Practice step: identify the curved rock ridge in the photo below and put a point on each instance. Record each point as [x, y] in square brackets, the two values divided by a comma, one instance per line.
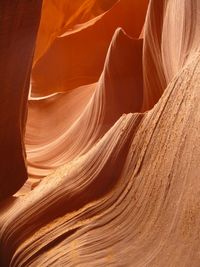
[171, 37]
[118, 91]
[113, 162]
[77, 59]
[126, 182]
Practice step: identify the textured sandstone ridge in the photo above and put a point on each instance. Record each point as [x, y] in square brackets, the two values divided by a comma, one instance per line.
[113, 145]
[105, 106]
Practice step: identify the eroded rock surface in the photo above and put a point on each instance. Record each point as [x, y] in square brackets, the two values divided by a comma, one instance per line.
[112, 156]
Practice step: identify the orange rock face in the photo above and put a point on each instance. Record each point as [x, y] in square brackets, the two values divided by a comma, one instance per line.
[112, 133]
[77, 55]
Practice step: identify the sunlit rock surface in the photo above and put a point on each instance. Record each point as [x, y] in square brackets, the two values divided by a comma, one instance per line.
[112, 135]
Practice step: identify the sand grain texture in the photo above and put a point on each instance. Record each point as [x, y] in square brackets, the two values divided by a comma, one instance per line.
[113, 160]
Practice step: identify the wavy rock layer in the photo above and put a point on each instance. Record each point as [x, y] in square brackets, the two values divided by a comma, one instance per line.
[105, 106]
[164, 58]
[120, 171]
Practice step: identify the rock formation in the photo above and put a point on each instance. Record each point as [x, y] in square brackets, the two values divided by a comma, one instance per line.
[19, 24]
[112, 136]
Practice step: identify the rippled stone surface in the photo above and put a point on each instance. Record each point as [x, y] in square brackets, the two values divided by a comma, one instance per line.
[112, 136]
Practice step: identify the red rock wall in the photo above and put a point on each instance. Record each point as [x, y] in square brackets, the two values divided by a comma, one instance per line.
[19, 22]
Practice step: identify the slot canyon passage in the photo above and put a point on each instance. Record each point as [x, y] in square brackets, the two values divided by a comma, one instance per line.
[100, 133]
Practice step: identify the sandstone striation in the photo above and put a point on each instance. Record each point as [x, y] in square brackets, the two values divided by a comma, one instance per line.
[112, 134]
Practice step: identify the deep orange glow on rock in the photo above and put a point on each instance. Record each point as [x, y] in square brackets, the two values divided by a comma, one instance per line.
[100, 133]
[77, 58]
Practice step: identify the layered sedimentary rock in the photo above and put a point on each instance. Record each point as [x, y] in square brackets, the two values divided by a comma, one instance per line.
[74, 136]
[119, 171]
[171, 39]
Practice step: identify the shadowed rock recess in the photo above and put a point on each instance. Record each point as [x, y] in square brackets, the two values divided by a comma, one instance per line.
[100, 133]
